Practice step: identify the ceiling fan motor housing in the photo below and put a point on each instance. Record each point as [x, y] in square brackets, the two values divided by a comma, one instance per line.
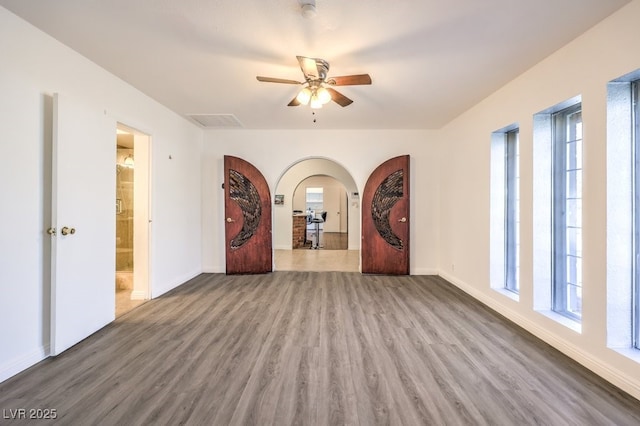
[323, 68]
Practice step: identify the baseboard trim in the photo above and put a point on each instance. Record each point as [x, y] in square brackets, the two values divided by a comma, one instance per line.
[604, 370]
[425, 271]
[138, 295]
[16, 365]
[157, 292]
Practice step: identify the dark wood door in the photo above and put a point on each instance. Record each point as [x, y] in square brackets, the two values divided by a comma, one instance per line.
[247, 205]
[385, 219]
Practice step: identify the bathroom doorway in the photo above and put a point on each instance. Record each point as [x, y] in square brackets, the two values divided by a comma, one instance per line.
[132, 219]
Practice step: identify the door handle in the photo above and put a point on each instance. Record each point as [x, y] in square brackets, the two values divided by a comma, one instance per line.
[66, 230]
[51, 231]
[403, 219]
[230, 220]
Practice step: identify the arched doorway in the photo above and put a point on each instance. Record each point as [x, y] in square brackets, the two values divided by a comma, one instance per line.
[285, 257]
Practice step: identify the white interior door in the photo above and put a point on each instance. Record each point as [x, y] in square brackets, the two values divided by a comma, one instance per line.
[344, 212]
[83, 208]
[332, 199]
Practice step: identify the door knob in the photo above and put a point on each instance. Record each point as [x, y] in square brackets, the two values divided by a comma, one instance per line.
[403, 220]
[51, 231]
[66, 230]
[230, 220]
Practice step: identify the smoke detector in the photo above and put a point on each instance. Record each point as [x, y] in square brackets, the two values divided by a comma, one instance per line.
[308, 8]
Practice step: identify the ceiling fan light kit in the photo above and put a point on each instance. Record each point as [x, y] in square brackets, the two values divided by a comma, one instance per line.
[304, 96]
[318, 89]
[314, 97]
[323, 95]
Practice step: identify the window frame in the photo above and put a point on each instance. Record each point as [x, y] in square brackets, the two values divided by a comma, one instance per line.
[562, 137]
[635, 267]
[511, 211]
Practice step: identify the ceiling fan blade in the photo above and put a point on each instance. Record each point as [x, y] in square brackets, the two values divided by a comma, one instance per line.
[339, 98]
[294, 102]
[277, 80]
[350, 80]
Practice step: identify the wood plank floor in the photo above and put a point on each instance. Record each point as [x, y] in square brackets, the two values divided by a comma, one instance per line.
[316, 348]
[328, 240]
[335, 240]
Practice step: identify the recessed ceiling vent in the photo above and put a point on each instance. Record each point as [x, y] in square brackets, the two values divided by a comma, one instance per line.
[216, 121]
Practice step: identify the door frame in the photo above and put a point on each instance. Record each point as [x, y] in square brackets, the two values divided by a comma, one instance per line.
[142, 154]
[288, 181]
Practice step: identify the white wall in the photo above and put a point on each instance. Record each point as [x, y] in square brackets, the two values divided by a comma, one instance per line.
[359, 151]
[34, 66]
[584, 67]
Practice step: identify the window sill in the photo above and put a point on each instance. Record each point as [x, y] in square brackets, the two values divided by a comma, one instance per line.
[561, 319]
[631, 353]
[510, 294]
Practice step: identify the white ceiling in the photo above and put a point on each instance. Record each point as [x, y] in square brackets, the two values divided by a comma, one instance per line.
[429, 60]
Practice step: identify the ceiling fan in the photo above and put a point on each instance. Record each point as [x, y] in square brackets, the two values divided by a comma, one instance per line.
[318, 89]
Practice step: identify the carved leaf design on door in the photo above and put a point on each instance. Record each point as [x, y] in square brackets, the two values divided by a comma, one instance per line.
[245, 194]
[385, 197]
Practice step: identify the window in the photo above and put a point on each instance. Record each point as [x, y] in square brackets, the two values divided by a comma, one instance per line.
[635, 267]
[505, 211]
[567, 212]
[557, 213]
[512, 212]
[314, 199]
[623, 214]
